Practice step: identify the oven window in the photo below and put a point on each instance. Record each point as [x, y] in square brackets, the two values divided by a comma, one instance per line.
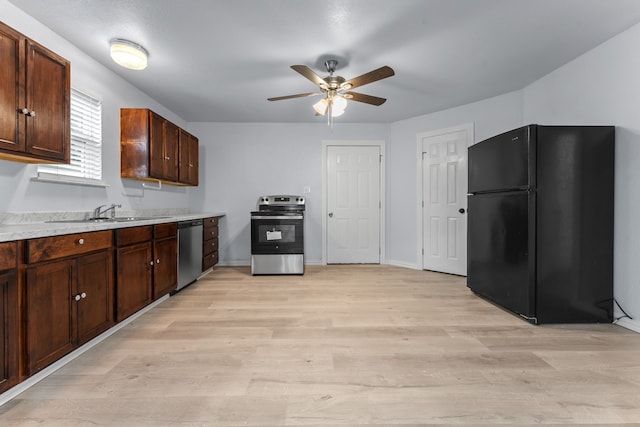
[277, 236]
[277, 233]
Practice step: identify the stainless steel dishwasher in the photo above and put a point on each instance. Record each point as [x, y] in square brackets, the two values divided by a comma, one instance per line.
[189, 252]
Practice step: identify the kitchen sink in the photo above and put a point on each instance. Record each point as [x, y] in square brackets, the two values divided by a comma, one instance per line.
[102, 220]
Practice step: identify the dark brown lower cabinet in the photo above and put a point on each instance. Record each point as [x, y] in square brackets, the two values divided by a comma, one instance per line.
[147, 266]
[135, 270]
[9, 349]
[67, 302]
[209, 243]
[165, 254]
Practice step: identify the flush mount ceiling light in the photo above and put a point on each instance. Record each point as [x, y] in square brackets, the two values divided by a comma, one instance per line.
[128, 54]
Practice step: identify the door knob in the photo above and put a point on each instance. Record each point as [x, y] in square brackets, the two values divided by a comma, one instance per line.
[330, 214]
[461, 210]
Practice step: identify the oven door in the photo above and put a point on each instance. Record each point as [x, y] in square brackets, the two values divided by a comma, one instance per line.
[277, 234]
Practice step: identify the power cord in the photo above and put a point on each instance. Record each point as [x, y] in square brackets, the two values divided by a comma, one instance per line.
[624, 312]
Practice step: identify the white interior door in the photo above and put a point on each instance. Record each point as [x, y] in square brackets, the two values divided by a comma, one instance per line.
[444, 200]
[353, 204]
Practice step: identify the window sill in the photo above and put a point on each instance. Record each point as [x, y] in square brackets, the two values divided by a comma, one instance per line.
[68, 180]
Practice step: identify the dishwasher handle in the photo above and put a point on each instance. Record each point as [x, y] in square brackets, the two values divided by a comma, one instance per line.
[191, 223]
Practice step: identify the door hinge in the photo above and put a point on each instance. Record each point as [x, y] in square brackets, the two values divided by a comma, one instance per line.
[380, 158]
[422, 251]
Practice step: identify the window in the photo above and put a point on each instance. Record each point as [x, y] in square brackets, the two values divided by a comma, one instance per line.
[86, 144]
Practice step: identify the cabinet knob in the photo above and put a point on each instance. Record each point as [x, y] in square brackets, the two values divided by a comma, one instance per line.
[77, 297]
[81, 241]
[25, 111]
[167, 158]
[158, 261]
[32, 113]
[190, 165]
[83, 295]
[151, 263]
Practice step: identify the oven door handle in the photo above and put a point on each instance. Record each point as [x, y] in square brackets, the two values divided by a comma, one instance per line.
[277, 217]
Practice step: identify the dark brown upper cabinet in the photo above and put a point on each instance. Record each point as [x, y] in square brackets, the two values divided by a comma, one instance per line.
[35, 93]
[150, 149]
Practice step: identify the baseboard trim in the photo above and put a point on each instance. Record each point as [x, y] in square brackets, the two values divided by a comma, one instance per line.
[631, 324]
[401, 264]
[34, 379]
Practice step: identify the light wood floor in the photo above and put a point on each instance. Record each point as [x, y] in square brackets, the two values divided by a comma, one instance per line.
[341, 345]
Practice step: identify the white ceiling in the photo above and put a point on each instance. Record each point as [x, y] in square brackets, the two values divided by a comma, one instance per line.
[219, 60]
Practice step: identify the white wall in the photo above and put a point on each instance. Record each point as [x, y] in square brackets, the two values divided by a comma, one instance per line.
[18, 193]
[242, 161]
[489, 117]
[603, 87]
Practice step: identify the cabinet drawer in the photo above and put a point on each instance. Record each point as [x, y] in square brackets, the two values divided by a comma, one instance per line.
[129, 236]
[209, 261]
[8, 255]
[47, 248]
[210, 222]
[209, 246]
[210, 233]
[169, 229]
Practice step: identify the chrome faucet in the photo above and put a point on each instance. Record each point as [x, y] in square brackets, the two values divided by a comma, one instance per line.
[98, 212]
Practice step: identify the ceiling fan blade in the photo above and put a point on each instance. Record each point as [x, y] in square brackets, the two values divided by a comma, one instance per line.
[309, 74]
[370, 77]
[299, 95]
[367, 99]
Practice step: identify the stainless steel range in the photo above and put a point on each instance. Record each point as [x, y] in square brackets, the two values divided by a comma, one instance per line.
[277, 235]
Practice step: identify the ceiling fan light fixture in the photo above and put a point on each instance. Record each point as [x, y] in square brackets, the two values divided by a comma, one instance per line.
[338, 105]
[128, 54]
[321, 106]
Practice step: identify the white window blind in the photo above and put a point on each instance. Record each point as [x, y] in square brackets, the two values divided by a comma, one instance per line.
[86, 143]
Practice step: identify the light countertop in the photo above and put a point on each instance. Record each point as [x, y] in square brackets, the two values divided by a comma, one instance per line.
[29, 228]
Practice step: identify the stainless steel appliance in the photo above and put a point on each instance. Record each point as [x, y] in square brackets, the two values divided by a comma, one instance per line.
[189, 252]
[540, 222]
[277, 235]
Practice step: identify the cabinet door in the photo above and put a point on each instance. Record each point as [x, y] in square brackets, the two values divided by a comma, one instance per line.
[171, 136]
[165, 277]
[163, 148]
[188, 164]
[11, 75]
[133, 289]
[49, 312]
[156, 155]
[9, 333]
[95, 288]
[48, 100]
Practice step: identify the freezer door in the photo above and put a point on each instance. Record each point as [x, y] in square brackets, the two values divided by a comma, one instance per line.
[501, 249]
[504, 162]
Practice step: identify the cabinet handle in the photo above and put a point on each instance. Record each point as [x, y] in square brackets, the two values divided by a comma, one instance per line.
[77, 297]
[190, 165]
[81, 241]
[83, 295]
[167, 158]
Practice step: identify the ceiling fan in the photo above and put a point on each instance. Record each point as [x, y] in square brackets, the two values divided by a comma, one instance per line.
[337, 89]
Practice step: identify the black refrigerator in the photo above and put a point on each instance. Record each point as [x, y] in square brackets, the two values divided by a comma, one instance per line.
[540, 222]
